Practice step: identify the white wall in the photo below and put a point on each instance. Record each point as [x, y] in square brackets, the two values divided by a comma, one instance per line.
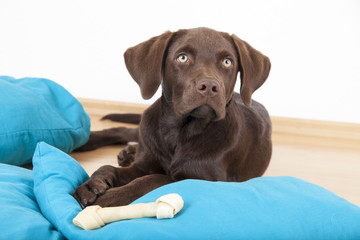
[314, 46]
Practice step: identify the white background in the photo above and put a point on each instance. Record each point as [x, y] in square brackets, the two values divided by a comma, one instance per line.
[314, 46]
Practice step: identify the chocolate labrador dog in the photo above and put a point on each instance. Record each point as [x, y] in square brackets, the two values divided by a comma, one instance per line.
[199, 128]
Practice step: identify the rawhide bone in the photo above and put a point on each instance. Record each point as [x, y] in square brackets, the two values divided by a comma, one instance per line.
[93, 217]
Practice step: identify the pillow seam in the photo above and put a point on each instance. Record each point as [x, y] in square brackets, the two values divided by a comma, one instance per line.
[42, 130]
[46, 191]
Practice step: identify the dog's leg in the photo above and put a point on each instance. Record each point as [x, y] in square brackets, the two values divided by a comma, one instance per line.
[130, 192]
[103, 180]
[127, 155]
[119, 135]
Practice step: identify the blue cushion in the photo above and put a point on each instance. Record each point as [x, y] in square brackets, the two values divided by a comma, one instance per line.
[33, 110]
[20, 216]
[261, 208]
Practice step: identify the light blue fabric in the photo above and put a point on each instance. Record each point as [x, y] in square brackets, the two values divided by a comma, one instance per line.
[20, 216]
[262, 208]
[33, 110]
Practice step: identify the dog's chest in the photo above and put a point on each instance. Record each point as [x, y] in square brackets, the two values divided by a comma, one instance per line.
[192, 138]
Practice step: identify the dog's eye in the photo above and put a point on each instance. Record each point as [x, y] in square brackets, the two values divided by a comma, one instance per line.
[227, 62]
[182, 58]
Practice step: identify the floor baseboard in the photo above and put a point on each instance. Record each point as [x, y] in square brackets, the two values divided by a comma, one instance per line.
[317, 133]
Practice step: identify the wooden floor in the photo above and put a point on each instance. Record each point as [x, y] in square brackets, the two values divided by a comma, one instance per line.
[333, 163]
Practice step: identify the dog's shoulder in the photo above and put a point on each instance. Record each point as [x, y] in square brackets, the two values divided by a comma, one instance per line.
[152, 114]
[255, 108]
[256, 115]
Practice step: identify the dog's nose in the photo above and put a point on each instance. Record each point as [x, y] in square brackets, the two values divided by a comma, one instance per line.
[207, 87]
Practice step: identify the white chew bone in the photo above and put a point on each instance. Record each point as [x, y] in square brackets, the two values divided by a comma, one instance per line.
[94, 217]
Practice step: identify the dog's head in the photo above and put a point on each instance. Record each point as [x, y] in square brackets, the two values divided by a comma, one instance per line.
[198, 70]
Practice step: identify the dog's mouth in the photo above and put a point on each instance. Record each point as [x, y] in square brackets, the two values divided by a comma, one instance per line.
[204, 111]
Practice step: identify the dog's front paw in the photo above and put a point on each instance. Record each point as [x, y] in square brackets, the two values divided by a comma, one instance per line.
[87, 193]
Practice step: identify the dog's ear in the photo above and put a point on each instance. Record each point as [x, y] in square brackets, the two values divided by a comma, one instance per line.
[254, 69]
[144, 63]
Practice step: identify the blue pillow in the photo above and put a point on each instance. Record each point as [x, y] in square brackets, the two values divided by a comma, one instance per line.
[20, 216]
[261, 208]
[33, 110]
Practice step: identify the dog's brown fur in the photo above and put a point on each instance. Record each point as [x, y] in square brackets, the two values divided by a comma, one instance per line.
[199, 128]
